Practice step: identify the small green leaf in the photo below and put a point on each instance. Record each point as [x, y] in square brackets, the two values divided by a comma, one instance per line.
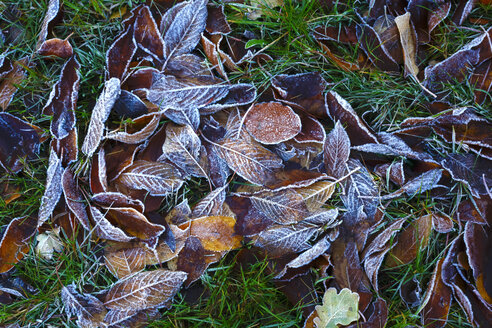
[337, 309]
[254, 42]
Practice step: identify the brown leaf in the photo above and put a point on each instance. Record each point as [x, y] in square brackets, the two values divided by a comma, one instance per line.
[8, 85]
[336, 151]
[56, 47]
[442, 223]
[18, 141]
[304, 90]
[63, 100]
[140, 130]
[410, 241]
[100, 114]
[216, 21]
[481, 79]
[104, 229]
[124, 261]
[130, 318]
[239, 94]
[98, 179]
[67, 148]
[316, 194]
[74, 199]
[474, 172]
[120, 54]
[340, 110]
[147, 35]
[272, 123]
[426, 15]
[116, 199]
[14, 242]
[192, 259]
[129, 105]
[437, 300]
[53, 188]
[163, 253]
[159, 179]
[145, 290]
[133, 222]
[212, 204]
[248, 159]
[53, 14]
[216, 233]
[89, 310]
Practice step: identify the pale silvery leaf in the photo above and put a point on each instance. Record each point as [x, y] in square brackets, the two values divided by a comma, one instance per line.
[105, 230]
[157, 178]
[138, 136]
[248, 159]
[187, 23]
[211, 204]
[145, 290]
[182, 148]
[89, 310]
[337, 309]
[48, 243]
[188, 116]
[53, 189]
[316, 194]
[100, 114]
[336, 151]
[284, 207]
[124, 262]
[170, 92]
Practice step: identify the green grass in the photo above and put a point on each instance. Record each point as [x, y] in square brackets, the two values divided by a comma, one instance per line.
[232, 296]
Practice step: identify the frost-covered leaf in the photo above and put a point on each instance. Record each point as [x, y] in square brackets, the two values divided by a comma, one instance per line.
[168, 91]
[182, 26]
[280, 240]
[116, 199]
[53, 188]
[130, 318]
[239, 94]
[283, 207]
[336, 151]
[337, 309]
[74, 198]
[142, 128]
[272, 122]
[52, 14]
[211, 204]
[316, 194]
[159, 179]
[56, 47]
[100, 114]
[19, 141]
[474, 172]
[249, 160]
[104, 229]
[122, 262]
[182, 148]
[89, 310]
[120, 54]
[145, 290]
[49, 242]
[133, 223]
[188, 116]
[62, 100]
[147, 35]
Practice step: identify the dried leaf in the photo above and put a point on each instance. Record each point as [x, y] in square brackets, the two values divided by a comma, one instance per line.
[216, 233]
[337, 309]
[336, 151]
[120, 54]
[62, 100]
[159, 179]
[67, 148]
[56, 47]
[123, 262]
[145, 290]
[15, 241]
[272, 122]
[98, 179]
[474, 172]
[211, 204]
[181, 27]
[18, 140]
[437, 301]
[283, 207]
[411, 241]
[239, 94]
[316, 194]
[170, 92]
[182, 148]
[53, 13]
[74, 199]
[105, 230]
[48, 242]
[129, 105]
[116, 199]
[130, 318]
[147, 35]
[408, 39]
[134, 223]
[89, 310]
[376, 49]
[217, 21]
[100, 114]
[53, 188]
[249, 160]
[143, 127]
[8, 86]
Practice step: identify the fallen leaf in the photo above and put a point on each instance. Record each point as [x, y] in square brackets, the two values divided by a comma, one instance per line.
[49, 242]
[216, 233]
[15, 241]
[89, 310]
[336, 151]
[338, 308]
[56, 47]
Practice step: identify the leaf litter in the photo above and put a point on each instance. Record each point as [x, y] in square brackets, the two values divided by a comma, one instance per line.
[272, 164]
